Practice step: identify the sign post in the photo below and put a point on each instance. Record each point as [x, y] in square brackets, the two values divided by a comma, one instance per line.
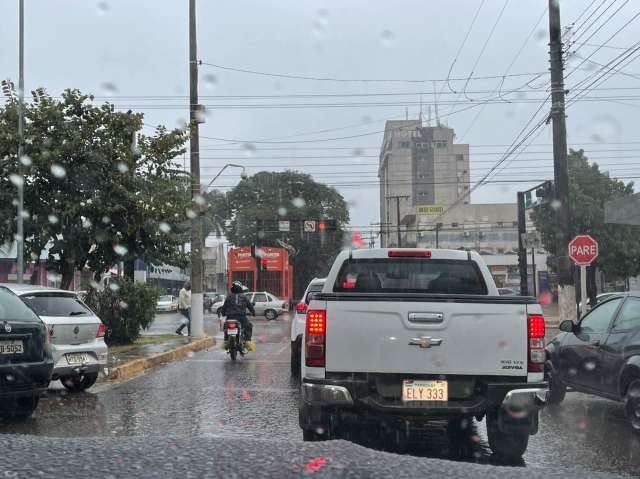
[583, 250]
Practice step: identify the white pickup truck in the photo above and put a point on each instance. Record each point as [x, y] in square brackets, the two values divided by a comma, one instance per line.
[401, 336]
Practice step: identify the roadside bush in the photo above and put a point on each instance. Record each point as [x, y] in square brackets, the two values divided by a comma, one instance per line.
[125, 308]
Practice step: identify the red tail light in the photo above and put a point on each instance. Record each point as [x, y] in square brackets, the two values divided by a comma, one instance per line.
[232, 325]
[348, 284]
[101, 331]
[409, 253]
[535, 341]
[315, 338]
[301, 308]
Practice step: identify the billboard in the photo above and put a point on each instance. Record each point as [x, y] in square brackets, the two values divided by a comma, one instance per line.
[429, 211]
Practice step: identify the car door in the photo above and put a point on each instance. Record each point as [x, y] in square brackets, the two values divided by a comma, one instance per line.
[580, 355]
[623, 341]
[261, 303]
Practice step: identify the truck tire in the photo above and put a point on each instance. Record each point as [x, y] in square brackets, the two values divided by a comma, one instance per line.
[314, 423]
[295, 358]
[508, 446]
[312, 435]
[632, 405]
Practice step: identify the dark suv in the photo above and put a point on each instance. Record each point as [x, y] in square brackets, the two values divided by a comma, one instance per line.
[600, 355]
[25, 358]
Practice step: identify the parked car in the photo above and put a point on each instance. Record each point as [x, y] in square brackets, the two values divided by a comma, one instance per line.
[600, 298]
[76, 334]
[267, 305]
[218, 301]
[400, 336]
[299, 322]
[507, 292]
[600, 355]
[25, 357]
[167, 304]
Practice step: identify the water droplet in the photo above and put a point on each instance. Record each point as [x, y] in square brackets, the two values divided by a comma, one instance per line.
[114, 287]
[58, 171]
[555, 204]
[190, 213]
[106, 220]
[26, 160]
[366, 119]
[103, 8]
[387, 38]
[120, 249]
[572, 371]
[201, 115]
[320, 23]
[17, 180]
[94, 284]
[590, 365]
[357, 152]
[199, 200]
[605, 129]
[503, 344]
[282, 211]
[122, 167]
[210, 81]
[541, 35]
[298, 202]
[109, 88]
[123, 305]
[164, 227]
[86, 223]
[249, 149]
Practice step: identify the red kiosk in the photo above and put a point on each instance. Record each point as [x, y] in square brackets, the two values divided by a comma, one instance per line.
[276, 274]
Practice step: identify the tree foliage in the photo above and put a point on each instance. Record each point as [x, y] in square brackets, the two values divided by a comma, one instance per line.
[96, 190]
[589, 190]
[287, 196]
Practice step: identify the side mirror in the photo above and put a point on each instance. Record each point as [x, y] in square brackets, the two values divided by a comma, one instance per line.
[567, 326]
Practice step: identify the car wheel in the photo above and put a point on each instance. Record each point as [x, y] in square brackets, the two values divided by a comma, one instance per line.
[270, 314]
[25, 406]
[632, 405]
[79, 383]
[557, 389]
[508, 445]
[295, 358]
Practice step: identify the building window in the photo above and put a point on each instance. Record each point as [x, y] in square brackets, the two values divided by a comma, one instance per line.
[500, 224]
[460, 157]
[405, 144]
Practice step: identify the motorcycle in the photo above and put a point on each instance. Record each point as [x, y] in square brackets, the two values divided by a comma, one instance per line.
[235, 338]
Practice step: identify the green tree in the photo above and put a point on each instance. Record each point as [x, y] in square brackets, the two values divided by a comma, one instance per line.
[88, 189]
[272, 196]
[589, 190]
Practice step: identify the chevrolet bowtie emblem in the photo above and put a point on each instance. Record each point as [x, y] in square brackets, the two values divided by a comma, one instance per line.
[425, 342]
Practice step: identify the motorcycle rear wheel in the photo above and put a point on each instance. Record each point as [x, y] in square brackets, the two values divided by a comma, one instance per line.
[233, 347]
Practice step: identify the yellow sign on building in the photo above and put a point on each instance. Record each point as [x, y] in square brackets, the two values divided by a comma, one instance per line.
[429, 211]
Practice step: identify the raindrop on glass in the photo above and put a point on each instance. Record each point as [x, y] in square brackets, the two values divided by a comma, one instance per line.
[191, 214]
[249, 149]
[86, 223]
[386, 38]
[114, 287]
[58, 171]
[589, 365]
[123, 305]
[120, 249]
[556, 204]
[210, 81]
[199, 200]
[357, 152]
[540, 35]
[17, 180]
[109, 88]
[164, 227]
[282, 211]
[106, 220]
[94, 284]
[122, 167]
[604, 129]
[26, 160]
[103, 8]
[298, 202]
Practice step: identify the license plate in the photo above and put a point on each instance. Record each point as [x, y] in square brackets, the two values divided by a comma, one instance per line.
[11, 347]
[232, 332]
[78, 358]
[424, 390]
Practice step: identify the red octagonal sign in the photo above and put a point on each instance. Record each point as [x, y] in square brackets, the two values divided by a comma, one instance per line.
[583, 250]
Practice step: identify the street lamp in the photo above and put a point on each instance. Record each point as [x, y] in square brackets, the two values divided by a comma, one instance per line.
[243, 174]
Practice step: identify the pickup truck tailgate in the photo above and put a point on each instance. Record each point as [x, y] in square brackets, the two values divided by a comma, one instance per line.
[483, 336]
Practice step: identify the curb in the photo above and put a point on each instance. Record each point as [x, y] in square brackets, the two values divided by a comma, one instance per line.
[137, 366]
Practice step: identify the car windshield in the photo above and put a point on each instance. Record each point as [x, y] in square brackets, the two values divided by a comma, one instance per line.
[55, 305]
[12, 309]
[412, 197]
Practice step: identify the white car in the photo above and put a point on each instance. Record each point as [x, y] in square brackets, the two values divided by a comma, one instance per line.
[167, 304]
[76, 333]
[267, 305]
[299, 322]
[401, 336]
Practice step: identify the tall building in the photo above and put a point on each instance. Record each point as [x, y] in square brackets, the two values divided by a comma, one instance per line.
[421, 170]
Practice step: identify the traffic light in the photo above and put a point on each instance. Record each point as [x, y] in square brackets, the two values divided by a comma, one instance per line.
[327, 225]
[545, 192]
[263, 264]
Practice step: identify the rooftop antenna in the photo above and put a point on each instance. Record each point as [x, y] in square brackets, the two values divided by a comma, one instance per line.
[420, 114]
[429, 115]
[406, 112]
[435, 99]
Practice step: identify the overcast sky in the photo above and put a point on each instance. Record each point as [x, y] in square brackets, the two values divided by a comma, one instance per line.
[139, 49]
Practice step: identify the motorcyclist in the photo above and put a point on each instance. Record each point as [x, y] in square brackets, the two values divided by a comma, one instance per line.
[235, 307]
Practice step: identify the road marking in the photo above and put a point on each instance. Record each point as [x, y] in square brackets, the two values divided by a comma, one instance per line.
[281, 350]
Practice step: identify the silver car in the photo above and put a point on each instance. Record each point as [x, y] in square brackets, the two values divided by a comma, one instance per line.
[76, 333]
[267, 305]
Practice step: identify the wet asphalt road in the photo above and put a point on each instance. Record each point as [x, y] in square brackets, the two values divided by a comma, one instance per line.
[208, 398]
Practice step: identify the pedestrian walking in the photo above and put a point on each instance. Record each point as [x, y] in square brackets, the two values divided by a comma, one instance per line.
[184, 307]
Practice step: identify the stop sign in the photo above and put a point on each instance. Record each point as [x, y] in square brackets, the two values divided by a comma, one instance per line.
[583, 250]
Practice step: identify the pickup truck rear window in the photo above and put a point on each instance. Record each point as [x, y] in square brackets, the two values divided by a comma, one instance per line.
[410, 275]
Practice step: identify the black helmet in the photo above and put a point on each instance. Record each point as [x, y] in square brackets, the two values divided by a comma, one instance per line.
[236, 287]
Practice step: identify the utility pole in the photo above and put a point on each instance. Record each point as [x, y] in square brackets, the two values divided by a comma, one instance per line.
[522, 251]
[20, 226]
[197, 242]
[398, 198]
[438, 227]
[566, 290]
